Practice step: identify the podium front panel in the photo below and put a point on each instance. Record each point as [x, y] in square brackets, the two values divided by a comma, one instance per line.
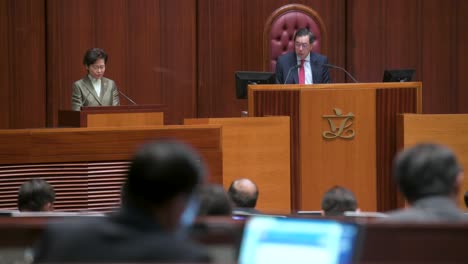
[338, 145]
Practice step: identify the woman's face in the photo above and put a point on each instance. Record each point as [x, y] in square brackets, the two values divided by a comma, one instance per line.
[97, 69]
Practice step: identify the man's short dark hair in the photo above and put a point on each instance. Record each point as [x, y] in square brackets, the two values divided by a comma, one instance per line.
[426, 170]
[34, 194]
[214, 201]
[162, 170]
[304, 32]
[338, 200]
[241, 197]
[92, 55]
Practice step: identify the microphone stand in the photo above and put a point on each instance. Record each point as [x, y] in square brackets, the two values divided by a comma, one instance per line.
[340, 68]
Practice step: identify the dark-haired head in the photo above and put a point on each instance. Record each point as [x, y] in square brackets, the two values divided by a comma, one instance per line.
[92, 55]
[162, 170]
[162, 180]
[338, 200]
[427, 170]
[214, 201]
[304, 32]
[36, 195]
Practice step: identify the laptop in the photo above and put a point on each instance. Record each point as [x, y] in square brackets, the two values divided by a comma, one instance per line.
[291, 240]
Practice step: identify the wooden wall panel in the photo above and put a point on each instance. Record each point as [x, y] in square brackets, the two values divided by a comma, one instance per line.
[439, 56]
[462, 56]
[425, 35]
[151, 47]
[183, 53]
[178, 59]
[4, 67]
[22, 43]
[230, 39]
[402, 37]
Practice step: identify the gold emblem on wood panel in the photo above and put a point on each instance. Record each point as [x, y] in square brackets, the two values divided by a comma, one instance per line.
[343, 130]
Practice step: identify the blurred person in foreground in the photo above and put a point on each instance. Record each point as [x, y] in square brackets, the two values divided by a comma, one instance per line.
[159, 202]
[430, 178]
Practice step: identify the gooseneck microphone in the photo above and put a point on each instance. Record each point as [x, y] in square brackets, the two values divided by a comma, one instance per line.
[289, 72]
[126, 97]
[86, 99]
[340, 68]
[87, 96]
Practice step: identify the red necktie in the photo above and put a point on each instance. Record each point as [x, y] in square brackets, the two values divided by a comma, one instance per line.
[302, 73]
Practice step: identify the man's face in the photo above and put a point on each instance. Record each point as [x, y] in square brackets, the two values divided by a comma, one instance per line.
[97, 69]
[302, 46]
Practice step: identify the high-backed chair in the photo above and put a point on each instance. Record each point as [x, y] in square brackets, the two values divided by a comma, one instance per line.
[281, 26]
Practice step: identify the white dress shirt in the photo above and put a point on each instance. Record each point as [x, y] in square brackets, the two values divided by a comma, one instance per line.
[307, 69]
[96, 84]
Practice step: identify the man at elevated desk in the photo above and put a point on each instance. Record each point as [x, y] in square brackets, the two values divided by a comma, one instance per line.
[94, 89]
[302, 66]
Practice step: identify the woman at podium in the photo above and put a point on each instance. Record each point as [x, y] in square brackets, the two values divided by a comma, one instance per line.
[94, 89]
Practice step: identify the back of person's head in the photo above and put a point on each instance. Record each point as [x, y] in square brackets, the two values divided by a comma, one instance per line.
[161, 171]
[338, 200]
[304, 32]
[36, 195]
[92, 55]
[243, 193]
[214, 201]
[426, 170]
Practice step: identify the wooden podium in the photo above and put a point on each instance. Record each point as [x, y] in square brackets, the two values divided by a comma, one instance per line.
[113, 116]
[341, 134]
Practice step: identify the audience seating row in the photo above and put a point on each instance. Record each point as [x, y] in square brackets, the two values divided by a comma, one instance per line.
[381, 243]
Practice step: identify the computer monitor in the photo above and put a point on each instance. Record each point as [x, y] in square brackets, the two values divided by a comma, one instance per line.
[244, 78]
[399, 75]
[293, 240]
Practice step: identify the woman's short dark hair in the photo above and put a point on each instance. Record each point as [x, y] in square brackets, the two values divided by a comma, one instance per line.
[92, 55]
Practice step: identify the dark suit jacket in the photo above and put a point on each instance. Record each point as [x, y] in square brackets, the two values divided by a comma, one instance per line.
[286, 61]
[430, 209]
[128, 236]
[85, 95]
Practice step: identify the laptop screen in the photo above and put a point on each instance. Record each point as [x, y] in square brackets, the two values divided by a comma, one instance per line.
[289, 240]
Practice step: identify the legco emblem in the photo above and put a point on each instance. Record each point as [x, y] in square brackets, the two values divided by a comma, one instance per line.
[343, 130]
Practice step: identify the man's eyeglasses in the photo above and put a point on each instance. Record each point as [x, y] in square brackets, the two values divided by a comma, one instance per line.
[301, 45]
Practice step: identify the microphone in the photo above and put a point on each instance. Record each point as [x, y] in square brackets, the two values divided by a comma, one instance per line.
[126, 97]
[340, 68]
[289, 72]
[86, 99]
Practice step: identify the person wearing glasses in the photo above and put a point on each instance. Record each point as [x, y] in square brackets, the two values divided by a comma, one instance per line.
[94, 89]
[302, 66]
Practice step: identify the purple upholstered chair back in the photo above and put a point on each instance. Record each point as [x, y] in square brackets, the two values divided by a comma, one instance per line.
[281, 26]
